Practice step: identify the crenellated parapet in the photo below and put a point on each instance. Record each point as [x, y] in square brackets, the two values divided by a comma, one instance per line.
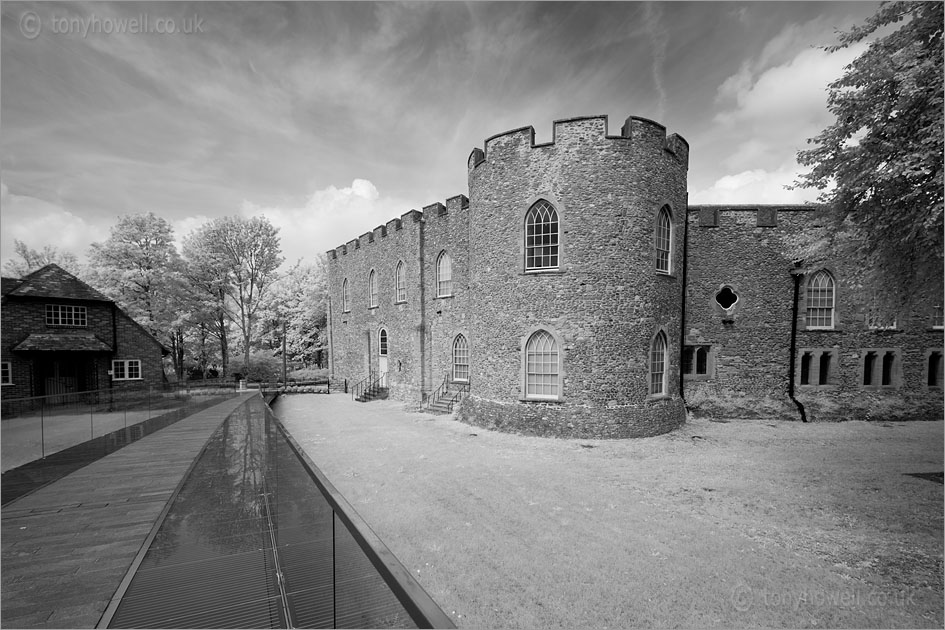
[640, 134]
[408, 221]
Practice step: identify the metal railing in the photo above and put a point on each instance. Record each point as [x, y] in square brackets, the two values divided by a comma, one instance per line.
[458, 397]
[35, 427]
[313, 561]
[440, 391]
[371, 384]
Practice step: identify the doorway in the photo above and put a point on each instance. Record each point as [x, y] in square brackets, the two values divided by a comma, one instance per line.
[382, 353]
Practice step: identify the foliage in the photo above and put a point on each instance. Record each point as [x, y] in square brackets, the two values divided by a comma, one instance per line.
[879, 164]
[239, 259]
[138, 266]
[261, 367]
[299, 299]
[33, 260]
[308, 374]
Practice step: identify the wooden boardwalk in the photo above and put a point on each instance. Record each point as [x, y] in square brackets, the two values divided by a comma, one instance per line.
[67, 547]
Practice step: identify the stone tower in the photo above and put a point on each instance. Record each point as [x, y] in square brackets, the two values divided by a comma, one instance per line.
[576, 280]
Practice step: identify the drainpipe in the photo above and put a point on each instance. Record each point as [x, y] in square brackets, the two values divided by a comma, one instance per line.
[796, 275]
[682, 315]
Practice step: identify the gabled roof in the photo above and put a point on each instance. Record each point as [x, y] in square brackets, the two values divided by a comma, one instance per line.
[8, 284]
[52, 281]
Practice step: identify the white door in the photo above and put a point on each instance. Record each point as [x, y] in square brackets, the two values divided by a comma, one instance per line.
[382, 356]
[382, 368]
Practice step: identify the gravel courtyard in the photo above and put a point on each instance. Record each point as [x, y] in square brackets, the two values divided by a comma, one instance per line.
[745, 523]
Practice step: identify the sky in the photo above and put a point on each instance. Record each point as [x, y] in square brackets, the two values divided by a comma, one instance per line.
[330, 118]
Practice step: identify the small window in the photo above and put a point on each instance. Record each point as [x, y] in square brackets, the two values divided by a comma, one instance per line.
[345, 304]
[695, 360]
[820, 300]
[542, 367]
[934, 373]
[825, 371]
[444, 275]
[6, 373]
[541, 237]
[663, 240]
[658, 361]
[382, 342]
[889, 361]
[372, 288]
[869, 367]
[66, 315]
[400, 283]
[460, 359]
[126, 370]
[805, 368]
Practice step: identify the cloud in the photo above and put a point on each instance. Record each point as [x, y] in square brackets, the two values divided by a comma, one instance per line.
[778, 100]
[328, 218]
[755, 186]
[39, 223]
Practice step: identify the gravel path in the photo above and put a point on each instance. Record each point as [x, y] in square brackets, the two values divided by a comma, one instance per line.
[741, 524]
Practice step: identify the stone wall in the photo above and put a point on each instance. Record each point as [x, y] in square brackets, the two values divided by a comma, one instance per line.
[354, 335]
[744, 249]
[604, 302]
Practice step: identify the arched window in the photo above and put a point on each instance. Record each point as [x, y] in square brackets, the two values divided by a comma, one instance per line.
[820, 300]
[663, 239]
[658, 361]
[345, 304]
[372, 287]
[400, 283]
[541, 236]
[382, 342]
[541, 366]
[444, 275]
[460, 359]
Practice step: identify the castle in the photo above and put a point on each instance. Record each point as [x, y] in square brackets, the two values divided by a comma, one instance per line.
[575, 293]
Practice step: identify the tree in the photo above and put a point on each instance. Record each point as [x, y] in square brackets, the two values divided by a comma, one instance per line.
[242, 257]
[298, 304]
[879, 164]
[33, 260]
[138, 266]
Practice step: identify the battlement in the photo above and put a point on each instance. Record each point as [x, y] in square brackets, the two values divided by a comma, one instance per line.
[641, 132]
[409, 219]
[710, 215]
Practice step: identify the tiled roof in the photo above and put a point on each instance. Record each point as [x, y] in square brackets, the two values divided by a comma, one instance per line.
[63, 341]
[8, 284]
[52, 281]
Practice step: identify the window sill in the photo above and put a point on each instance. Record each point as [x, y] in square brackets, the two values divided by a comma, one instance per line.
[128, 379]
[539, 272]
[443, 297]
[666, 274]
[550, 399]
[371, 308]
[400, 302]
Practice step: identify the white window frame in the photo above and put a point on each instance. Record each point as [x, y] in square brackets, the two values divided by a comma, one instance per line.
[938, 318]
[461, 359]
[659, 365]
[67, 316]
[444, 275]
[6, 373]
[372, 289]
[542, 214]
[122, 374]
[400, 283]
[345, 301]
[383, 342]
[817, 306]
[542, 366]
[663, 241]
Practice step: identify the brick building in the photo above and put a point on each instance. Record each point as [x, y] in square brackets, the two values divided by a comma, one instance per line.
[58, 335]
[575, 293]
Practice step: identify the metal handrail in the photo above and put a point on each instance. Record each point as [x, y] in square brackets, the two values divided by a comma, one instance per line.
[358, 388]
[368, 385]
[440, 391]
[458, 397]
